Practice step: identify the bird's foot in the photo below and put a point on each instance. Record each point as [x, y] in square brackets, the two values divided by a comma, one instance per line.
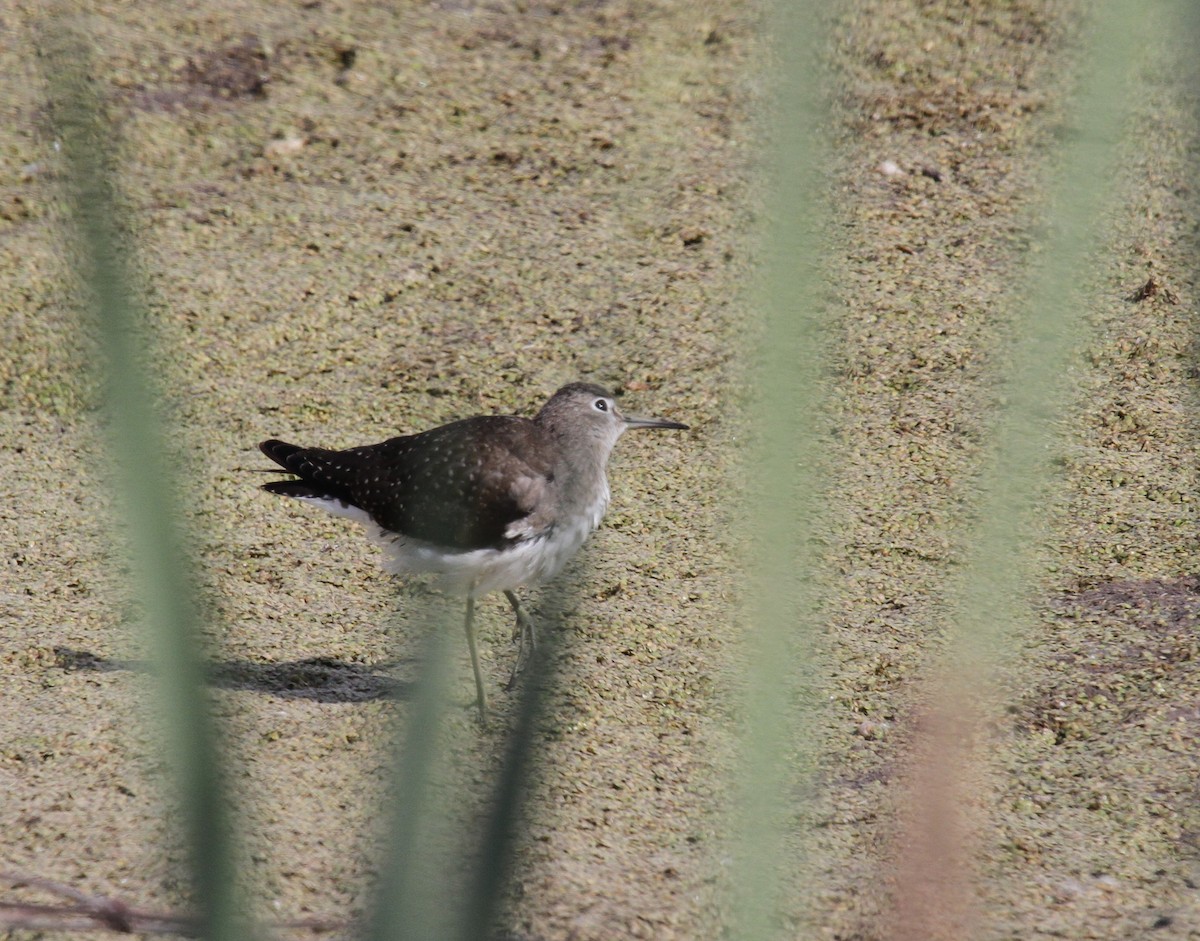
[525, 637]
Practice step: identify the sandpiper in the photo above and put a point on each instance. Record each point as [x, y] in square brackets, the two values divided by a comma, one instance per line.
[488, 503]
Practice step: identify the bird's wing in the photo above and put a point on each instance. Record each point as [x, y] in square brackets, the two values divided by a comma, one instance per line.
[478, 483]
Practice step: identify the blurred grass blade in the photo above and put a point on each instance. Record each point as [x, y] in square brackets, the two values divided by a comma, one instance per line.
[411, 899]
[517, 775]
[990, 604]
[164, 585]
[414, 899]
[777, 754]
[992, 595]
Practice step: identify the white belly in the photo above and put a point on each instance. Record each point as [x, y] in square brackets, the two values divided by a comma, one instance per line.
[530, 561]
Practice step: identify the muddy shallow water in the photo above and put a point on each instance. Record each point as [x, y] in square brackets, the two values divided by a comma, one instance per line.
[355, 222]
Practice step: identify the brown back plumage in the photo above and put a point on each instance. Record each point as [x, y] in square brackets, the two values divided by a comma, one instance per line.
[460, 486]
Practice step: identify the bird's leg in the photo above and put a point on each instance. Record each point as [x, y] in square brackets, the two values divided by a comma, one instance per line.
[480, 693]
[525, 634]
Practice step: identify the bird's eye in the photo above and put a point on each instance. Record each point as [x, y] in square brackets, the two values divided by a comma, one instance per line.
[600, 405]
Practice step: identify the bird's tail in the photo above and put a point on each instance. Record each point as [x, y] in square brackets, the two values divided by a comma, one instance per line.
[280, 451]
[287, 456]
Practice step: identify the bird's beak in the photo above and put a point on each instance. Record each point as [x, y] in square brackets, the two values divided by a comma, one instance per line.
[637, 421]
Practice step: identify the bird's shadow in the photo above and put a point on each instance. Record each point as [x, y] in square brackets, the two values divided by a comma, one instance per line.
[319, 679]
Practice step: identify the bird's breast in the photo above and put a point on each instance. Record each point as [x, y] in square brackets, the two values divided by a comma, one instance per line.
[567, 535]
